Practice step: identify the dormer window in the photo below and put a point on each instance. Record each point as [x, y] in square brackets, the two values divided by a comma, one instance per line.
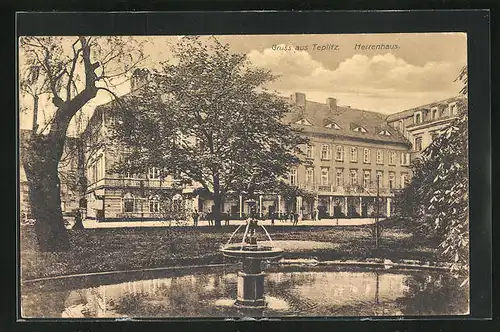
[453, 108]
[360, 129]
[417, 117]
[434, 113]
[304, 122]
[333, 125]
[385, 133]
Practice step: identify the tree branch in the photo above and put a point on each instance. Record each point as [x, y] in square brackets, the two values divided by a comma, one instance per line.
[72, 70]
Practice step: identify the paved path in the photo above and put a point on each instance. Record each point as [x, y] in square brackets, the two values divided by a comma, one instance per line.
[322, 222]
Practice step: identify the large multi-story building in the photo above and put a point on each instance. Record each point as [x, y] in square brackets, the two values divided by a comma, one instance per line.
[350, 153]
[420, 125]
[352, 157]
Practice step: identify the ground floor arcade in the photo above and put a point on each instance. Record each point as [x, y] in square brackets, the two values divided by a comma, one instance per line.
[326, 206]
[119, 204]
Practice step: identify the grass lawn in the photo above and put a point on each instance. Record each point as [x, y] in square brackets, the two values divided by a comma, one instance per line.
[96, 250]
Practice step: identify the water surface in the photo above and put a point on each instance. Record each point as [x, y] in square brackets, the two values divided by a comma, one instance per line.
[211, 291]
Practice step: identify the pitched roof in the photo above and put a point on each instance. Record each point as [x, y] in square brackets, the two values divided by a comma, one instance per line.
[319, 116]
[347, 118]
[409, 112]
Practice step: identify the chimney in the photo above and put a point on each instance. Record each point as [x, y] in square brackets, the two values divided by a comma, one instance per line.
[332, 104]
[299, 99]
[138, 79]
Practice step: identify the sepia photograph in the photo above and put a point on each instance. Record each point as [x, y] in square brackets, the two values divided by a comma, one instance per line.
[229, 176]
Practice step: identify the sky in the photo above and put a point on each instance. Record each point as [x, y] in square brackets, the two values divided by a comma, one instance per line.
[414, 69]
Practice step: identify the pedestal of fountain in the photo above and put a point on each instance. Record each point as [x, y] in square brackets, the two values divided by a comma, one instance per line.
[250, 288]
[251, 284]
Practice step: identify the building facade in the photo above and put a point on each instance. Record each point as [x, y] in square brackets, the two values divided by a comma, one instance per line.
[125, 196]
[352, 156]
[420, 125]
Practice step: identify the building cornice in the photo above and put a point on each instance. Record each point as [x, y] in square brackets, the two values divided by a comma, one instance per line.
[356, 139]
[431, 123]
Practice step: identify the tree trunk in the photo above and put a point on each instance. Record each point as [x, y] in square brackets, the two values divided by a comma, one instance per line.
[40, 163]
[217, 202]
[216, 212]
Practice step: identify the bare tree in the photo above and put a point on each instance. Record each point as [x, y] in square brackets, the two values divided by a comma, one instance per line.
[71, 70]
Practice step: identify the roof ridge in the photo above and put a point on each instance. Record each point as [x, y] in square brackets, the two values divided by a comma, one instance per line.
[431, 103]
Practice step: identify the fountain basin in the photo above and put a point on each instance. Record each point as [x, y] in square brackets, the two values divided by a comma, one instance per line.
[251, 252]
[209, 291]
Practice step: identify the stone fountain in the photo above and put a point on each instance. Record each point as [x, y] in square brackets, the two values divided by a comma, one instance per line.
[251, 279]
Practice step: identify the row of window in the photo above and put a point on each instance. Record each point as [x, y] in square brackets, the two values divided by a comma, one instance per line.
[333, 125]
[353, 155]
[130, 203]
[434, 113]
[353, 177]
[153, 173]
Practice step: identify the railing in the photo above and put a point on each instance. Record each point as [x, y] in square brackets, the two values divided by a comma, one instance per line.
[328, 188]
[344, 190]
[117, 182]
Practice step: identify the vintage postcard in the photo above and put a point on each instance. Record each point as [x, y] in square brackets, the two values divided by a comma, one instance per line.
[229, 176]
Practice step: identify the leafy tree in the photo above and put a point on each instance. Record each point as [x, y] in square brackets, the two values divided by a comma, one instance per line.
[208, 118]
[437, 198]
[71, 72]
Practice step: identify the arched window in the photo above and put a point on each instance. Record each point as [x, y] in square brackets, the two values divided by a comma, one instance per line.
[154, 204]
[434, 113]
[177, 202]
[453, 109]
[128, 203]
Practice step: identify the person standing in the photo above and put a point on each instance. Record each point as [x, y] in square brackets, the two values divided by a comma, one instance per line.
[316, 214]
[195, 216]
[272, 216]
[78, 220]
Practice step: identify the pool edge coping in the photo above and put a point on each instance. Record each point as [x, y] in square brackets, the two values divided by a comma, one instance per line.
[312, 262]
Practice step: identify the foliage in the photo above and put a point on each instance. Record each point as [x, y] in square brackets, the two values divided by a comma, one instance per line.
[208, 118]
[437, 199]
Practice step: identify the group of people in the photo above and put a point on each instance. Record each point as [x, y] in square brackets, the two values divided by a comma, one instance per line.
[210, 217]
[294, 217]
